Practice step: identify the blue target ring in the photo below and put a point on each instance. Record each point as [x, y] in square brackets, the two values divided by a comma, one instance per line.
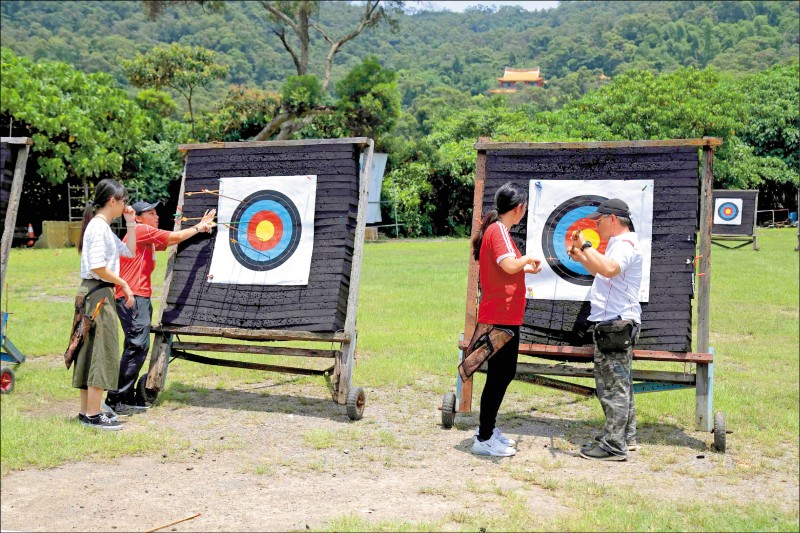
[554, 235]
[266, 230]
[728, 211]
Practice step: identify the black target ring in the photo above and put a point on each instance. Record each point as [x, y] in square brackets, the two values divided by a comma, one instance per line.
[265, 230]
[554, 236]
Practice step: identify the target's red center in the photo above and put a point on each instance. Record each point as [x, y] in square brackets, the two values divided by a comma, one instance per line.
[252, 231]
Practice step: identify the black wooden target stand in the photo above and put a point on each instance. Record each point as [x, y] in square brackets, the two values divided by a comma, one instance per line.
[727, 207]
[554, 329]
[324, 310]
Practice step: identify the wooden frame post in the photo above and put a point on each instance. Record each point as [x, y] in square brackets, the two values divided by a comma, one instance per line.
[464, 388]
[160, 351]
[13, 201]
[704, 391]
[345, 362]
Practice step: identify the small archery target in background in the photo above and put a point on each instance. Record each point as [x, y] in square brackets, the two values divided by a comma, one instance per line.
[728, 211]
[556, 208]
[557, 237]
[265, 230]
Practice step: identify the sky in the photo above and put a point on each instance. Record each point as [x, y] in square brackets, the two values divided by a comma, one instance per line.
[461, 5]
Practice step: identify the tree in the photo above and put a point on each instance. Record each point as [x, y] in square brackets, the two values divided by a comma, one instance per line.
[296, 17]
[82, 125]
[182, 68]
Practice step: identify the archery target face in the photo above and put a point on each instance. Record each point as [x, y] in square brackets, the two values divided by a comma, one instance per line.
[265, 234]
[728, 211]
[558, 207]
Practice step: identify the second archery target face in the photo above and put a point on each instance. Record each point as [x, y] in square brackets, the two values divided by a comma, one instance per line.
[556, 208]
[728, 211]
[265, 234]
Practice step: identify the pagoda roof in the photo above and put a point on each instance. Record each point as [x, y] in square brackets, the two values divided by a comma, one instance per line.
[521, 74]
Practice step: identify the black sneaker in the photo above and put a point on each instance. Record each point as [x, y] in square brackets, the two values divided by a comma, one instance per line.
[599, 454]
[100, 421]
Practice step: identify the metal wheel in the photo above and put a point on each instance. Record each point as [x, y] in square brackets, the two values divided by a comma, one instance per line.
[6, 380]
[145, 394]
[355, 403]
[448, 409]
[719, 432]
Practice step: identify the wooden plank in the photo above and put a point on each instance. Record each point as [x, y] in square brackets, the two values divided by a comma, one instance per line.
[359, 141]
[571, 168]
[500, 146]
[251, 349]
[245, 364]
[471, 312]
[17, 140]
[345, 364]
[588, 372]
[13, 204]
[255, 335]
[704, 251]
[587, 352]
[597, 152]
[171, 258]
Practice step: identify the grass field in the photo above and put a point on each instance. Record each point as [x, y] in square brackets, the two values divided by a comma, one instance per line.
[411, 313]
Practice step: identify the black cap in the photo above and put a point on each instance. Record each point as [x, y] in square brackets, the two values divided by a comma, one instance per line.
[141, 207]
[613, 206]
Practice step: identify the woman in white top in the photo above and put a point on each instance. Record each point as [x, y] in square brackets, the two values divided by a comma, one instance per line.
[97, 363]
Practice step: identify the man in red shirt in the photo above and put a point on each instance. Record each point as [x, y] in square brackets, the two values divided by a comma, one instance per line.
[135, 320]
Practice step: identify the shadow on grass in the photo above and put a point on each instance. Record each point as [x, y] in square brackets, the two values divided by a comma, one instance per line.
[557, 431]
[249, 400]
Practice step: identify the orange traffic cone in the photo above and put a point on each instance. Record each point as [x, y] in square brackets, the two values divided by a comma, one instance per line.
[31, 236]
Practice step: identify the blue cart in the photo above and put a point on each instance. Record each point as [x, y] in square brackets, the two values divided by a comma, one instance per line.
[9, 355]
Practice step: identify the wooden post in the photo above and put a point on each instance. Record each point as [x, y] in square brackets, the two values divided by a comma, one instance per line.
[173, 252]
[13, 201]
[755, 225]
[343, 373]
[703, 392]
[471, 317]
[159, 361]
[159, 353]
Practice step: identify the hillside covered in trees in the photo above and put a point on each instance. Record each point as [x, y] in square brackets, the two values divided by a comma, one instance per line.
[465, 51]
[75, 74]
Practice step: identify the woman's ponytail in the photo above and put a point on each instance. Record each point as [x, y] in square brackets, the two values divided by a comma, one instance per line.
[490, 218]
[507, 197]
[88, 214]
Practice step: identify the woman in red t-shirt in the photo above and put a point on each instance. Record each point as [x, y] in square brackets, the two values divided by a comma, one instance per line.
[502, 279]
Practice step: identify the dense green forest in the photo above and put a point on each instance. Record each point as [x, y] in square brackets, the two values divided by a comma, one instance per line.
[415, 81]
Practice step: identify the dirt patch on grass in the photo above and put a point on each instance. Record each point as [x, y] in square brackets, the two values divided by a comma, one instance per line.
[280, 455]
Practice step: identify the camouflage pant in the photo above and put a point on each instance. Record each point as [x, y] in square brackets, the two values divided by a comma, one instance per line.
[612, 374]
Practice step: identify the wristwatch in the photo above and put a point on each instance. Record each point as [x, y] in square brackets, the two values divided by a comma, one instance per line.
[587, 244]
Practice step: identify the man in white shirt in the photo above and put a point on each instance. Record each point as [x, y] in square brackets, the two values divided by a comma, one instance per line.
[614, 297]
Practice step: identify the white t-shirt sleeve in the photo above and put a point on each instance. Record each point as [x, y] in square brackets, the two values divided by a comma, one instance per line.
[122, 248]
[624, 253]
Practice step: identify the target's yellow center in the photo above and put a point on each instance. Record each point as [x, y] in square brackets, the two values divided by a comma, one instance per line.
[265, 230]
[591, 236]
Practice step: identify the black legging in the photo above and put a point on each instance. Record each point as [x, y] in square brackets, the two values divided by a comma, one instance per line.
[501, 372]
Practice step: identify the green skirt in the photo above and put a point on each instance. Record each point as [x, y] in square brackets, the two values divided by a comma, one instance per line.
[97, 362]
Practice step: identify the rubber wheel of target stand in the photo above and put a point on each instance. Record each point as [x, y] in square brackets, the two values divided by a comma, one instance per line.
[448, 409]
[719, 432]
[7, 380]
[148, 395]
[355, 403]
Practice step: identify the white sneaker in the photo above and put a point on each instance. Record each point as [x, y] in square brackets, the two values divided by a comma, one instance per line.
[492, 447]
[508, 441]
